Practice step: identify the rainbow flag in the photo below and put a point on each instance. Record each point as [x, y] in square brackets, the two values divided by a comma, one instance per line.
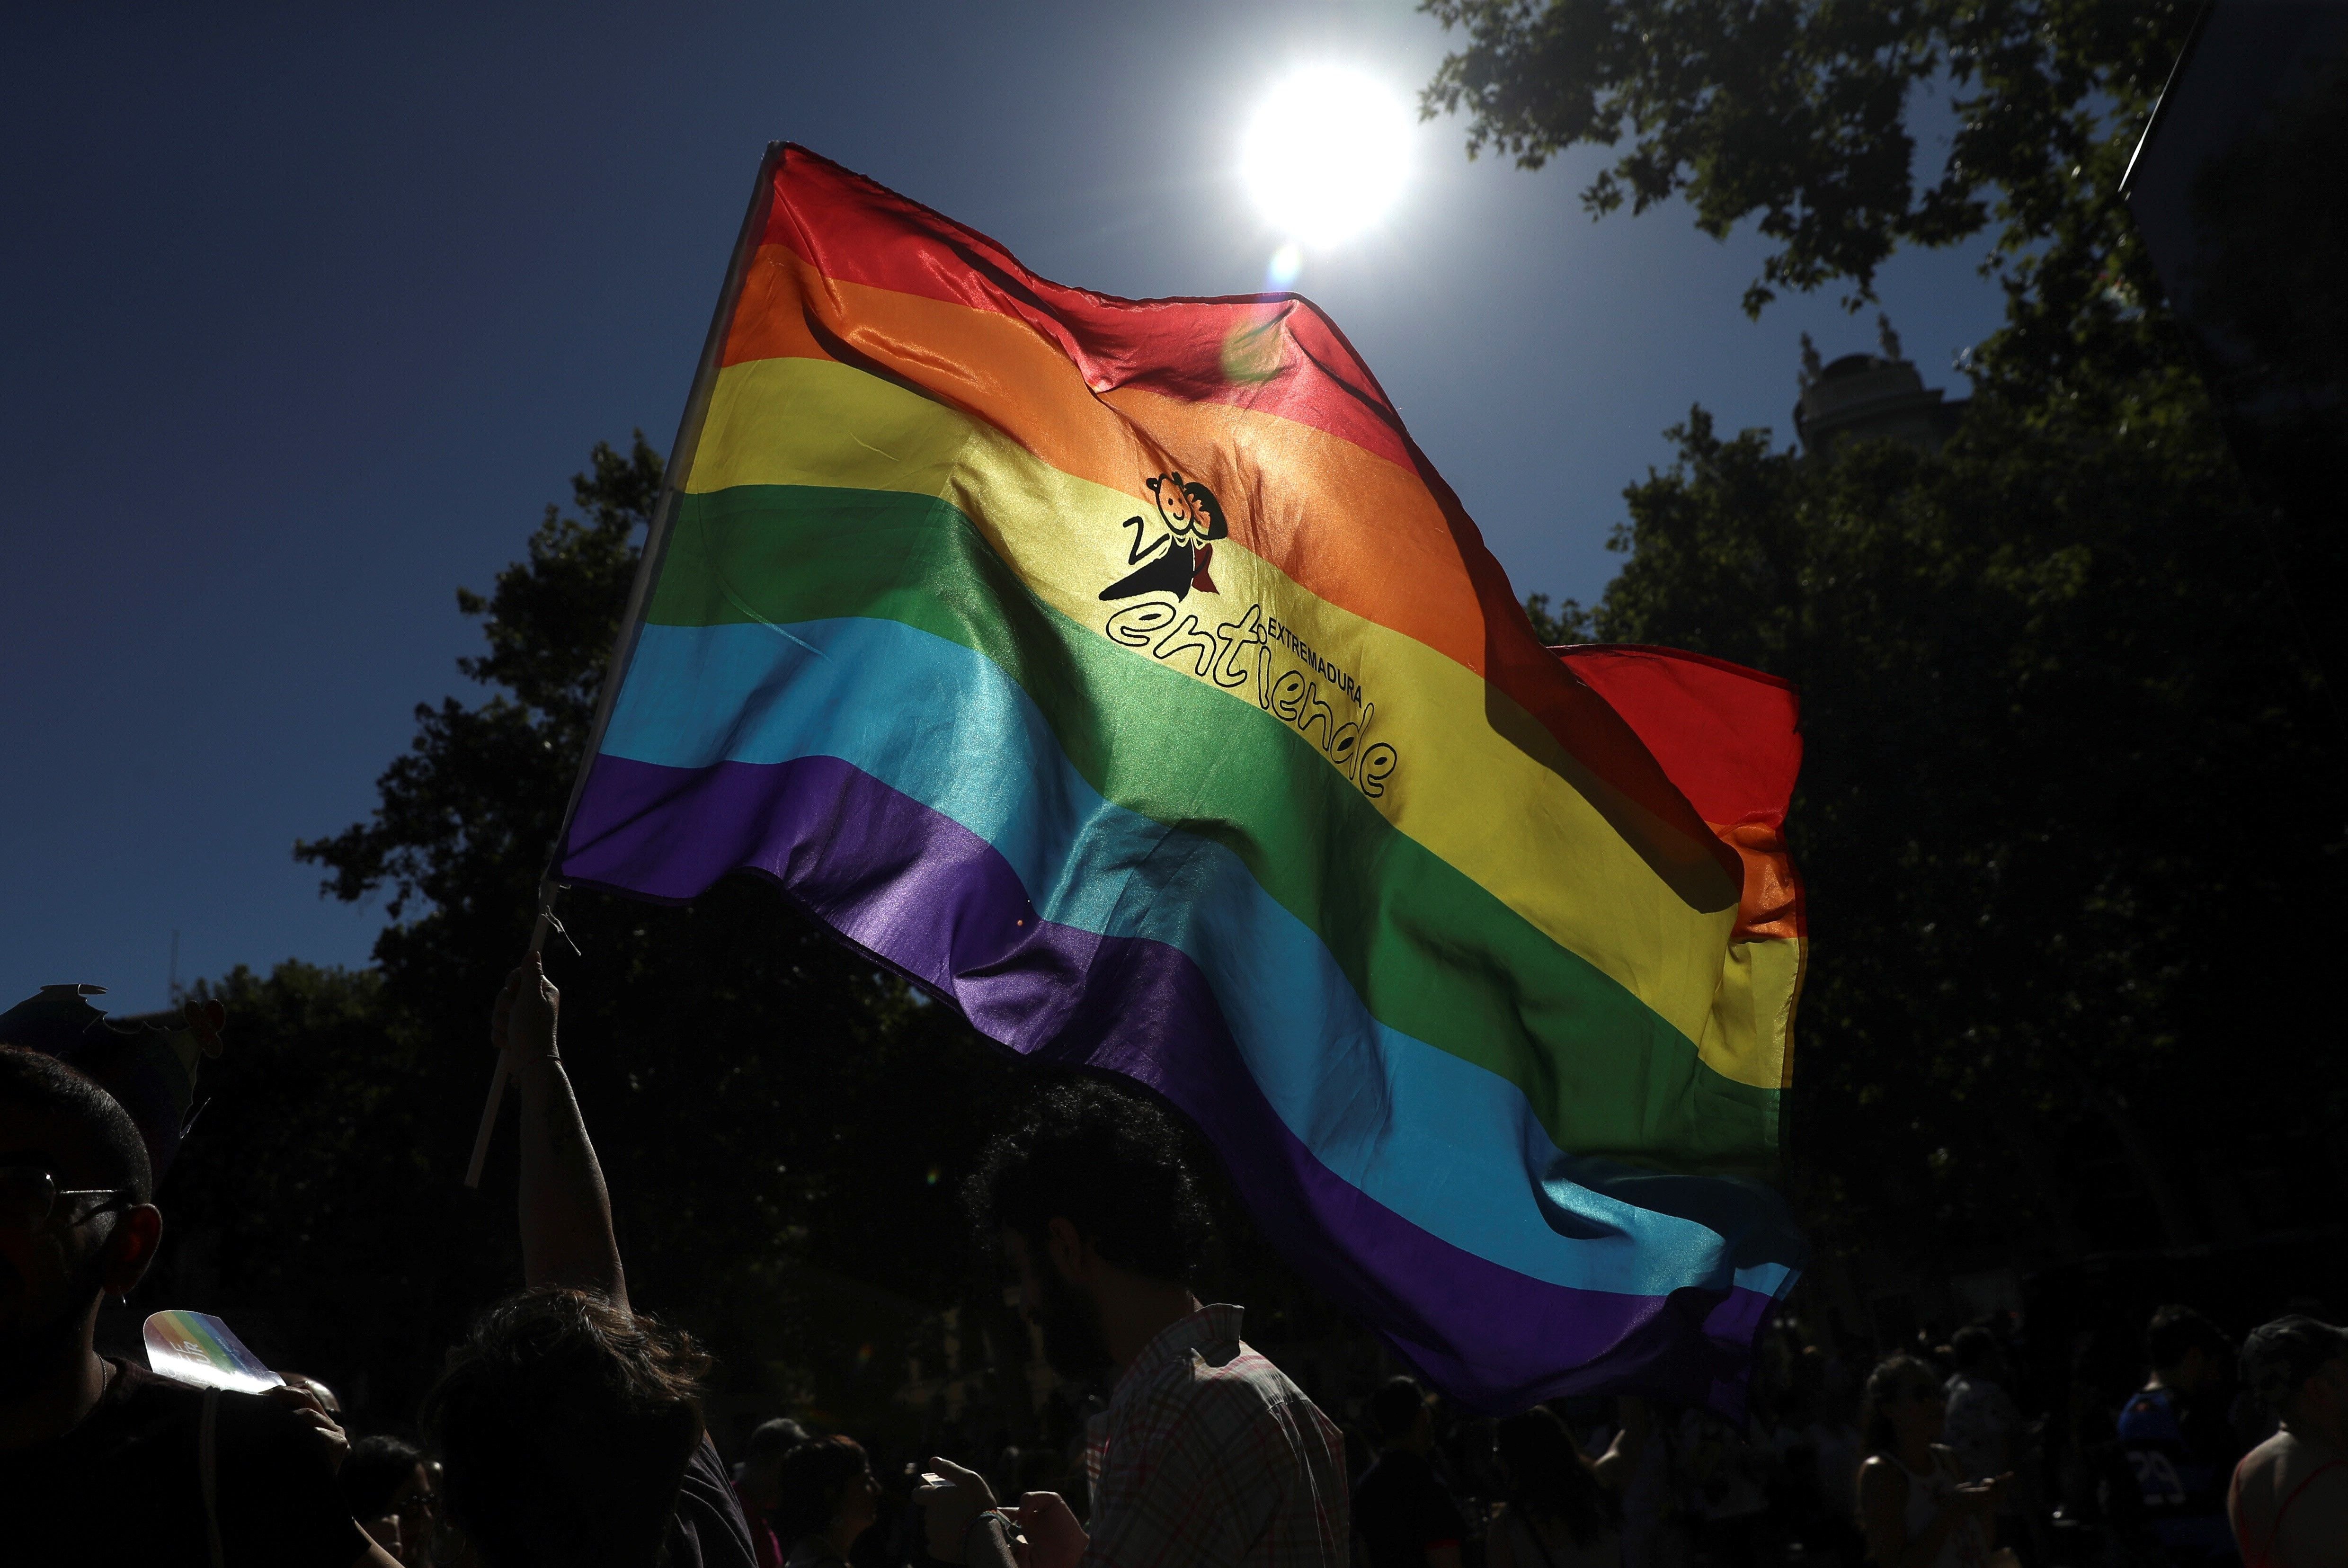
[1120, 672]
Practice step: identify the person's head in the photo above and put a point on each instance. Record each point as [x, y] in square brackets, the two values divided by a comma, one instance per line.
[1545, 1475]
[2187, 1351]
[1090, 1184]
[77, 1222]
[1904, 1404]
[825, 1488]
[389, 1491]
[2298, 1368]
[1174, 506]
[1399, 1415]
[564, 1424]
[1973, 1348]
[762, 1459]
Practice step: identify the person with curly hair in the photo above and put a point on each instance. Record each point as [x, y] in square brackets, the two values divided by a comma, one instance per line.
[1208, 1454]
[569, 1426]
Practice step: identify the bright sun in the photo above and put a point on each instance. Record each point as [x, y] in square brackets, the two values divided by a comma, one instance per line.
[1325, 156]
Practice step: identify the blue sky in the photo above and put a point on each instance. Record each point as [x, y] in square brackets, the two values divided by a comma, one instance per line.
[313, 309]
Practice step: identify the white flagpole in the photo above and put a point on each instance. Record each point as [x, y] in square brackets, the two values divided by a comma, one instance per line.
[680, 464]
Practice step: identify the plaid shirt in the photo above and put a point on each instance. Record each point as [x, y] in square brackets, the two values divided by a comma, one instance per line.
[1208, 1455]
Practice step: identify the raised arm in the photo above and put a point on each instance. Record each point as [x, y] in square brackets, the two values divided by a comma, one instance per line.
[566, 1214]
[1620, 1462]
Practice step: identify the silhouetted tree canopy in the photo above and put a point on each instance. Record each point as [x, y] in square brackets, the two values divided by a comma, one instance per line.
[1817, 121]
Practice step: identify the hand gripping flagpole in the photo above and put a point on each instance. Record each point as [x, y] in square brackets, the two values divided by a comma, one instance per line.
[680, 465]
[504, 1069]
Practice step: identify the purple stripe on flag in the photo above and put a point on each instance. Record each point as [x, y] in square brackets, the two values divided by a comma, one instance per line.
[927, 895]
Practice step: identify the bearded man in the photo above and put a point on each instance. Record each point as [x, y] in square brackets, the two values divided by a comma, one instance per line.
[1206, 1454]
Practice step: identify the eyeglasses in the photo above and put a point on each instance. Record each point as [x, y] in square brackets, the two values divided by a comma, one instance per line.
[29, 1197]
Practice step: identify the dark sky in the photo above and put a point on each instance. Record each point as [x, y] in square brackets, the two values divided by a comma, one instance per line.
[310, 310]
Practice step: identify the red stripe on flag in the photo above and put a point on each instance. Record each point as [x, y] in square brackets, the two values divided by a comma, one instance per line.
[1730, 738]
[850, 227]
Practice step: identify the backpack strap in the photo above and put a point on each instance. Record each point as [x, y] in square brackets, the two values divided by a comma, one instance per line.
[2274, 1536]
[1548, 1561]
[207, 1471]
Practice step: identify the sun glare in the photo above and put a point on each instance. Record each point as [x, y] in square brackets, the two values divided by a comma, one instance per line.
[1326, 155]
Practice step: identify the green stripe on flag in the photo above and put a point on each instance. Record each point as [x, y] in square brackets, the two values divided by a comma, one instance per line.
[1430, 952]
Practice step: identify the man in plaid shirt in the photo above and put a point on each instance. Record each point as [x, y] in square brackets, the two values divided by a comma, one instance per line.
[1207, 1455]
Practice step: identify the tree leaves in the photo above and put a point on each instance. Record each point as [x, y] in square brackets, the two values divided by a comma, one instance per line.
[1798, 116]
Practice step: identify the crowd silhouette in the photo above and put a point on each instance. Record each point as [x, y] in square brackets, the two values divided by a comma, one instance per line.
[570, 1429]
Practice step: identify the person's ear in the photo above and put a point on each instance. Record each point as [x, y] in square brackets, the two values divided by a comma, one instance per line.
[1071, 1254]
[2330, 1383]
[131, 1247]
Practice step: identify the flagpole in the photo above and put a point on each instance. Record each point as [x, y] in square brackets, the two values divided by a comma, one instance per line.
[547, 892]
[656, 536]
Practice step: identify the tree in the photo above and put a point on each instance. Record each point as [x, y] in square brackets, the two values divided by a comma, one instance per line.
[304, 1207]
[1801, 116]
[2065, 795]
[1560, 623]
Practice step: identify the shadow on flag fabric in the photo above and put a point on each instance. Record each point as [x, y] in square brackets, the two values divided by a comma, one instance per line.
[1121, 673]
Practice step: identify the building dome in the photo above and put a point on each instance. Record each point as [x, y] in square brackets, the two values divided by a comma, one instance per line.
[1872, 397]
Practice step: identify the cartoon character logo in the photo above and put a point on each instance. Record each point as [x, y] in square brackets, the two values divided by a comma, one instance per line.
[1172, 557]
